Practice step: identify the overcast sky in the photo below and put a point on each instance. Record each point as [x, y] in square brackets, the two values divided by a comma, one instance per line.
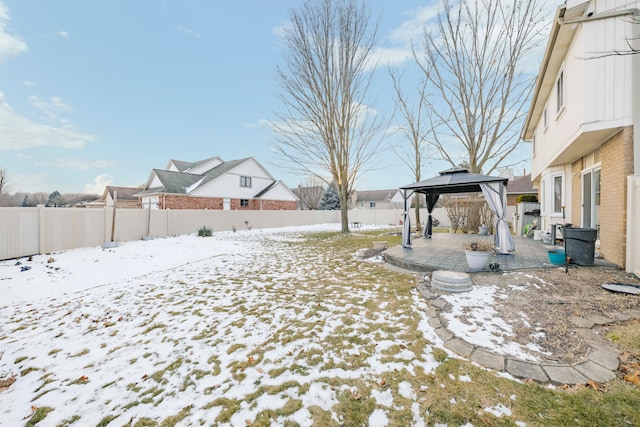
[96, 93]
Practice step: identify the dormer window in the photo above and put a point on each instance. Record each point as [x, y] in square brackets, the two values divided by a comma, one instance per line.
[245, 181]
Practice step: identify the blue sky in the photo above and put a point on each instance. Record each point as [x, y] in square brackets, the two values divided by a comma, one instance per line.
[96, 93]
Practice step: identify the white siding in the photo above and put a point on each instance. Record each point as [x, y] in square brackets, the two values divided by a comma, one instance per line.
[228, 185]
[597, 90]
[608, 79]
[155, 182]
[251, 168]
[280, 192]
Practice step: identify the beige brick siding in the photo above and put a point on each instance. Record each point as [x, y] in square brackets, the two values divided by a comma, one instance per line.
[576, 193]
[617, 164]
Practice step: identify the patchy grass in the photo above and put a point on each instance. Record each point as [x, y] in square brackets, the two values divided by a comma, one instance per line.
[38, 415]
[627, 336]
[266, 342]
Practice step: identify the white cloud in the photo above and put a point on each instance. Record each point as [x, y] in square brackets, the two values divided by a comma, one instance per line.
[99, 184]
[413, 28]
[188, 31]
[397, 45]
[19, 133]
[10, 45]
[76, 163]
[28, 83]
[52, 109]
[62, 34]
[281, 30]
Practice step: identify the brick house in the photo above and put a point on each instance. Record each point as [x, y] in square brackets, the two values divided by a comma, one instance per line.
[215, 184]
[126, 197]
[519, 186]
[581, 125]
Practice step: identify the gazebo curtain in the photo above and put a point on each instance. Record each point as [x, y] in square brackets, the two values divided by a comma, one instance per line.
[432, 199]
[497, 201]
[406, 230]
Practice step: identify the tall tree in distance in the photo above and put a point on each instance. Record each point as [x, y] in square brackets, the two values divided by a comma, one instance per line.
[5, 188]
[473, 63]
[325, 125]
[310, 192]
[413, 115]
[329, 200]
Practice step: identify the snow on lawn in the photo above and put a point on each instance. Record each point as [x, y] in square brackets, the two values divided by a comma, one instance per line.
[474, 319]
[222, 330]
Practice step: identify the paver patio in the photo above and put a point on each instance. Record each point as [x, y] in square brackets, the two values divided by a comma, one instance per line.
[444, 251]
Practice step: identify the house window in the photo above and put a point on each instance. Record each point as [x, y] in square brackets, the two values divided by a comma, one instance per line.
[244, 202]
[533, 145]
[245, 181]
[557, 194]
[560, 92]
[372, 204]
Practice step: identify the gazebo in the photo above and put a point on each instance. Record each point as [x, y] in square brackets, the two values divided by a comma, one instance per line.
[460, 180]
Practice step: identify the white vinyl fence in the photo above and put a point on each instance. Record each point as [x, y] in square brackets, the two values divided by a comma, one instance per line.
[40, 230]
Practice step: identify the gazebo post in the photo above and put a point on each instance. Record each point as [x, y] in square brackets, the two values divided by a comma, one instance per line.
[406, 222]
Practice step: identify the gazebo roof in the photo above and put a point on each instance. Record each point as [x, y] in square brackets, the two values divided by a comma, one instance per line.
[455, 180]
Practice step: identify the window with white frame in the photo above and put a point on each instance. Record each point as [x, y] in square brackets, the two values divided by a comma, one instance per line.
[560, 95]
[244, 203]
[372, 204]
[245, 181]
[557, 182]
[533, 145]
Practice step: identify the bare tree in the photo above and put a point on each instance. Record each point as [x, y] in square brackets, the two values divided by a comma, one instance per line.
[310, 192]
[472, 62]
[413, 129]
[326, 127]
[5, 187]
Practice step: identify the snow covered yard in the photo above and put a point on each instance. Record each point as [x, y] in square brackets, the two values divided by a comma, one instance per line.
[232, 328]
[258, 327]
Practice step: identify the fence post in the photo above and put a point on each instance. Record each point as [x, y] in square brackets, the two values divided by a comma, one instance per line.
[41, 231]
[168, 221]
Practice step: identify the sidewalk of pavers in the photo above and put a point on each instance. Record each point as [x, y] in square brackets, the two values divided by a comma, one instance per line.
[599, 365]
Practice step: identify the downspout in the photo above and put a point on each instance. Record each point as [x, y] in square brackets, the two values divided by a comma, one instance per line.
[632, 262]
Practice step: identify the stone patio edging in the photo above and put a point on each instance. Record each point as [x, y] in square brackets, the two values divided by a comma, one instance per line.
[600, 364]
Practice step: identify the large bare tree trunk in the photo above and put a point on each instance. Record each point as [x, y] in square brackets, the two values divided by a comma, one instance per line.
[325, 127]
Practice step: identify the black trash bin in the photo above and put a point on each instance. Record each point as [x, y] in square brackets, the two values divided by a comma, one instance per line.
[580, 244]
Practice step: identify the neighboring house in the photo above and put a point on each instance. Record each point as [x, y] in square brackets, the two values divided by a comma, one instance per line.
[378, 199]
[215, 184]
[581, 122]
[519, 186]
[126, 197]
